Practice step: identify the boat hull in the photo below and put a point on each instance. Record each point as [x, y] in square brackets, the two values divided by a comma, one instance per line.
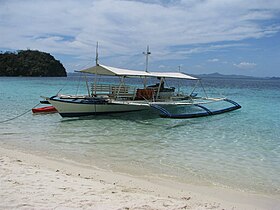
[76, 109]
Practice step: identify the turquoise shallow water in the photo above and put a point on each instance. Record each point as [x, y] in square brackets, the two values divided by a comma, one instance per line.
[239, 150]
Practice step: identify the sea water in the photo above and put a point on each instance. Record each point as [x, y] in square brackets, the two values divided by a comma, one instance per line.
[238, 150]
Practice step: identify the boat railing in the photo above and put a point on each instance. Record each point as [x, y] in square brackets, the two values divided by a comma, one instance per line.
[97, 89]
[114, 91]
[125, 92]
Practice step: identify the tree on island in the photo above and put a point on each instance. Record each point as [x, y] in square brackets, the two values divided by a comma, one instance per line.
[30, 63]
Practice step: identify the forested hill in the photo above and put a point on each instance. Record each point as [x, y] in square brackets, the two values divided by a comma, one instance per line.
[30, 63]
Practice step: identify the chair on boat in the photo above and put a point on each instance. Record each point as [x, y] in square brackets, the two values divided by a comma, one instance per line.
[146, 94]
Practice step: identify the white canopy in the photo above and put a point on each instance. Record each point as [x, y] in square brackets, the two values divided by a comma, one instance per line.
[112, 71]
[177, 75]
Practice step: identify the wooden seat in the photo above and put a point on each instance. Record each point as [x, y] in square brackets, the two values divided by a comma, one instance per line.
[145, 94]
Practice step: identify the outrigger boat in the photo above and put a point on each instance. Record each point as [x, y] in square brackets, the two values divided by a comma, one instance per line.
[111, 98]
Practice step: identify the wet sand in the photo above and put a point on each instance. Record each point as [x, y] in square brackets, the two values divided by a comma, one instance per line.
[31, 181]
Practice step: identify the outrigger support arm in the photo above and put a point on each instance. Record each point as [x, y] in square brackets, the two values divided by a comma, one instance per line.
[166, 114]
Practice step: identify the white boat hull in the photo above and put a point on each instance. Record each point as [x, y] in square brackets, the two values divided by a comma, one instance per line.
[73, 109]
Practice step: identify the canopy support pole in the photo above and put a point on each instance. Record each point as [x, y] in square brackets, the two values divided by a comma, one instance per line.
[159, 87]
[87, 86]
[120, 86]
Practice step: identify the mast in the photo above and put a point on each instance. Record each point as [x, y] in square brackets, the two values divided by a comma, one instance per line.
[96, 62]
[147, 62]
[96, 55]
[147, 57]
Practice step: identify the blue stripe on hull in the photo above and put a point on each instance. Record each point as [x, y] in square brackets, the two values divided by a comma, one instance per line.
[82, 114]
[80, 101]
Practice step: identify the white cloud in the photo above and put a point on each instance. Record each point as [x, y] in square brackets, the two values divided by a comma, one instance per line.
[126, 27]
[245, 65]
[213, 60]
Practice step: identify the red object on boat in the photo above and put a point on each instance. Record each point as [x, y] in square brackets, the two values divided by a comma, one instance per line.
[46, 109]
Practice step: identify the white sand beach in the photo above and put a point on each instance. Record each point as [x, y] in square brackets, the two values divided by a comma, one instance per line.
[29, 181]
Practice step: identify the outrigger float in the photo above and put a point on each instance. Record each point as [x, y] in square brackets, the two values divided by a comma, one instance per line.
[104, 98]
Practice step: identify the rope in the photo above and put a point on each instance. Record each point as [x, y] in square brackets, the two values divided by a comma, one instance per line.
[19, 115]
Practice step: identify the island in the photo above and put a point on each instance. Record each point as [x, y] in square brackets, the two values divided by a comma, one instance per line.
[30, 63]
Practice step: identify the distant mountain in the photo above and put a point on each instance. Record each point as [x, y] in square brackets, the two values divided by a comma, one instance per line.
[274, 78]
[30, 63]
[73, 74]
[233, 76]
[218, 75]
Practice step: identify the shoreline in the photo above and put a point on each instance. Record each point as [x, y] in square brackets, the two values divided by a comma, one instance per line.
[33, 181]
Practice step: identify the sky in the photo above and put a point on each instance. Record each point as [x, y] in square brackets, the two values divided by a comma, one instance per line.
[201, 36]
